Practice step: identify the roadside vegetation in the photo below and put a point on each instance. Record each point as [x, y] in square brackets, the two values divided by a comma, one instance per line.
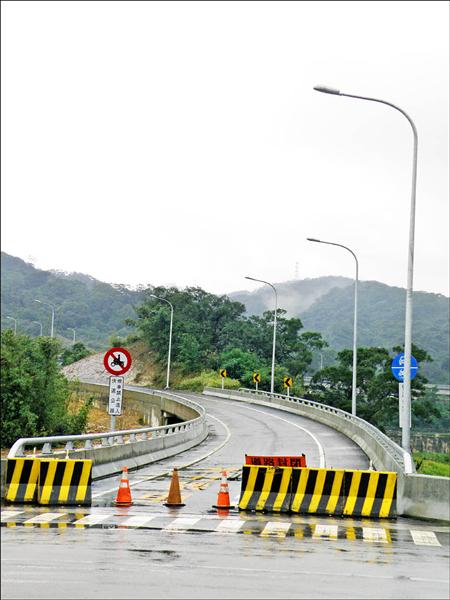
[432, 463]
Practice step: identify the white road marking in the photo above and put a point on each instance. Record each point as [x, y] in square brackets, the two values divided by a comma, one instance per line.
[273, 528]
[181, 523]
[424, 538]
[326, 531]
[44, 518]
[229, 526]
[91, 519]
[137, 521]
[374, 534]
[9, 514]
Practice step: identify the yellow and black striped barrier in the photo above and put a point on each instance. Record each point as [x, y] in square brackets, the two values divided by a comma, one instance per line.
[265, 488]
[65, 482]
[49, 481]
[22, 476]
[319, 491]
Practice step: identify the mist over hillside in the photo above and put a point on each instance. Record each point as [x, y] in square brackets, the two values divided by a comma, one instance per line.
[98, 310]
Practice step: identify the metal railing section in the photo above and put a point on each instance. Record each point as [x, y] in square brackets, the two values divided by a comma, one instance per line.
[399, 456]
[113, 438]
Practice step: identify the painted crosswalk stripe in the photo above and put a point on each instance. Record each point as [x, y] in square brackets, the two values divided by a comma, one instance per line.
[91, 519]
[275, 529]
[9, 514]
[374, 534]
[137, 521]
[229, 526]
[182, 523]
[44, 518]
[424, 538]
[326, 531]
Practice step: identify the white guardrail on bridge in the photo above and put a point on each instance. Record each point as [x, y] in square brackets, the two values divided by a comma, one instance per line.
[137, 446]
[384, 453]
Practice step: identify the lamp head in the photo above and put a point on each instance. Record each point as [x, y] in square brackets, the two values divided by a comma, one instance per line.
[314, 240]
[327, 90]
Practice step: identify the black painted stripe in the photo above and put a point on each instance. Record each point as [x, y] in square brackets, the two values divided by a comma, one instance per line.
[74, 482]
[275, 490]
[379, 495]
[24, 480]
[57, 482]
[10, 467]
[309, 491]
[362, 492]
[259, 484]
[326, 492]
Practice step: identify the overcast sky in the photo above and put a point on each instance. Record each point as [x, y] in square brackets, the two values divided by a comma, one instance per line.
[181, 143]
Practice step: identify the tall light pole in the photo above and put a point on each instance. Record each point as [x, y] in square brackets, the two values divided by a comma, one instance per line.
[40, 325]
[355, 319]
[15, 324]
[170, 336]
[406, 433]
[53, 313]
[272, 376]
[72, 329]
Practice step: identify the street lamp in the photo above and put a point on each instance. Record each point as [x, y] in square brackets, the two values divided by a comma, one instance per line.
[53, 313]
[40, 325]
[274, 329]
[15, 324]
[406, 433]
[355, 319]
[170, 336]
[72, 329]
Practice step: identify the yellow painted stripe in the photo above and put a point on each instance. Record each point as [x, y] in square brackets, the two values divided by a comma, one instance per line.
[268, 479]
[370, 494]
[249, 488]
[335, 492]
[352, 493]
[350, 533]
[284, 488]
[300, 492]
[15, 480]
[318, 489]
[83, 485]
[46, 488]
[388, 494]
[65, 484]
[30, 490]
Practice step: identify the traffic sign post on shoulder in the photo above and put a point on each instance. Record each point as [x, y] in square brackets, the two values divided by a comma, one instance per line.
[287, 381]
[256, 379]
[398, 371]
[116, 361]
[115, 399]
[223, 374]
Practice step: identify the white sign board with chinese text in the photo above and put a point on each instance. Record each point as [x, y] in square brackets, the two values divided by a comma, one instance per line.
[115, 396]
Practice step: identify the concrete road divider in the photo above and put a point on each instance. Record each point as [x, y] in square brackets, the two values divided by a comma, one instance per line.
[66, 482]
[22, 476]
[319, 491]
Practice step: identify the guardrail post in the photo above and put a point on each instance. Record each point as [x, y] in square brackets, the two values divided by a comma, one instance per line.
[47, 449]
[87, 445]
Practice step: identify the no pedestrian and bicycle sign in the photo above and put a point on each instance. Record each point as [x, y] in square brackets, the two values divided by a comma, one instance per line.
[117, 361]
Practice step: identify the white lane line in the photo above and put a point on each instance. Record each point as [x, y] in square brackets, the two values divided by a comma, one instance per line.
[229, 526]
[326, 531]
[9, 514]
[91, 519]
[277, 529]
[137, 520]
[182, 523]
[424, 538]
[319, 445]
[44, 518]
[169, 472]
[374, 534]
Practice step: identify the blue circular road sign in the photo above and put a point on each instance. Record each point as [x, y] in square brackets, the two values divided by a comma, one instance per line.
[398, 367]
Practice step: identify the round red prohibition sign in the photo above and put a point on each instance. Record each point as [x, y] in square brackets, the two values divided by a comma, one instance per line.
[117, 361]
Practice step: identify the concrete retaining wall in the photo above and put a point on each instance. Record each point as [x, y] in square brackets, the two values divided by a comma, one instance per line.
[424, 496]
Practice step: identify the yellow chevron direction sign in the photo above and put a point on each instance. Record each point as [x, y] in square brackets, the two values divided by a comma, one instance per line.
[287, 382]
[223, 372]
[256, 377]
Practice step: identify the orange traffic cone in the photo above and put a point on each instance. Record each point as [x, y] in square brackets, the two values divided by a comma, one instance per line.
[174, 497]
[223, 497]
[123, 497]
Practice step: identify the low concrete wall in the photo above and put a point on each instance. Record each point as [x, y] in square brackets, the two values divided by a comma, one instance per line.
[424, 496]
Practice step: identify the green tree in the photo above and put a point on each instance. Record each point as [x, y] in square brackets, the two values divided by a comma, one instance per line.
[74, 353]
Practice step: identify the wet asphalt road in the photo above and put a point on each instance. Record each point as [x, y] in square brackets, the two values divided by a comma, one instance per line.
[150, 551]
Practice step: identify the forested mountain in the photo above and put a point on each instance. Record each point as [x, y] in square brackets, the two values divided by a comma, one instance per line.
[95, 309]
[98, 310]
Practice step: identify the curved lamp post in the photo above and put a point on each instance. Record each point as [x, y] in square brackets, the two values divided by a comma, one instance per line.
[170, 336]
[406, 433]
[355, 318]
[40, 325]
[274, 329]
[53, 313]
[72, 329]
[15, 324]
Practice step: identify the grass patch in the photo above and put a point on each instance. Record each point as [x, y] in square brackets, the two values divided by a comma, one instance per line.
[432, 463]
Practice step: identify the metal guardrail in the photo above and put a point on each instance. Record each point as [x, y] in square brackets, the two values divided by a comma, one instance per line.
[110, 438]
[402, 459]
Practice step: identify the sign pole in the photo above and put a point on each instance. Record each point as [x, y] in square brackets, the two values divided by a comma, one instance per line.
[112, 426]
[256, 385]
[400, 404]
[222, 382]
